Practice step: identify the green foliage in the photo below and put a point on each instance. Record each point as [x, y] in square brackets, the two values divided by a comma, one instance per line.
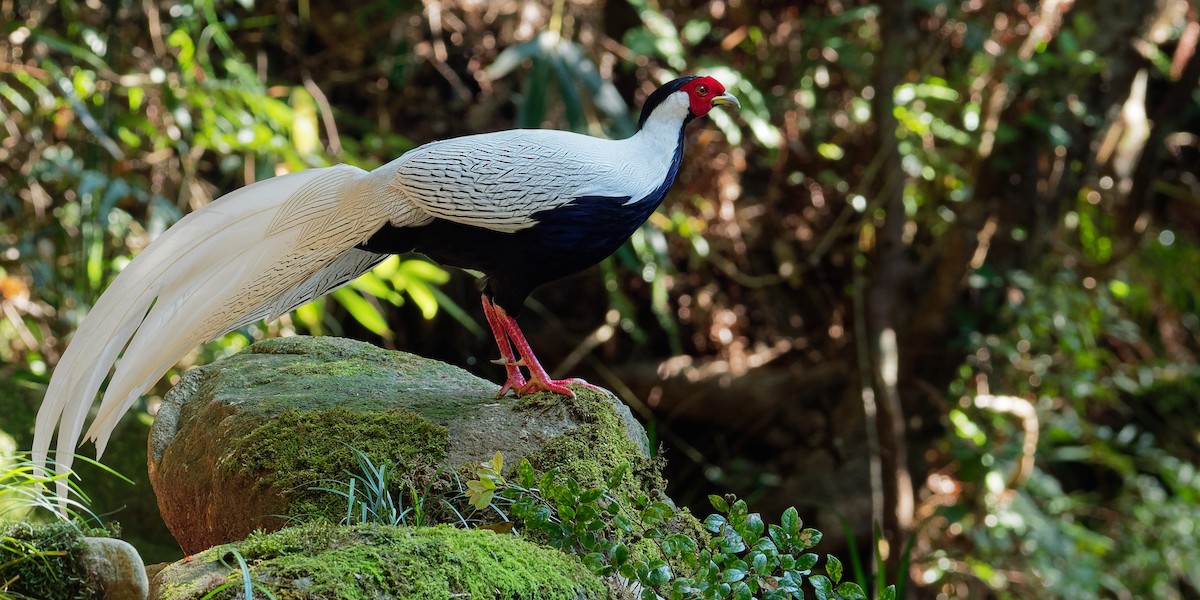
[642, 540]
[1028, 249]
[365, 561]
[40, 561]
[109, 144]
[1028, 468]
[42, 533]
[639, 539]
[26, 489]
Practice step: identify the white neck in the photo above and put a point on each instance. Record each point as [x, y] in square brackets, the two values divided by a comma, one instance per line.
[661, 129]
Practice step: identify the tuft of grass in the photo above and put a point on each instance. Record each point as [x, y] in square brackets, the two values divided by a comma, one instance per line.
[246, 581]
[368, 493]
[26, 489]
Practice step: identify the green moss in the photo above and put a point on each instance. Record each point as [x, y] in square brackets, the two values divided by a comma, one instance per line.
[597, 448]
[319, 560]
[336, 368]
[299, 449]
[42, 561]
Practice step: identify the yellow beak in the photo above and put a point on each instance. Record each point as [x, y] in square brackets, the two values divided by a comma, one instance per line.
[726, 99]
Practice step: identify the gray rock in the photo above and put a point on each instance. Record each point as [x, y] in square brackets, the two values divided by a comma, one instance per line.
[114, 566]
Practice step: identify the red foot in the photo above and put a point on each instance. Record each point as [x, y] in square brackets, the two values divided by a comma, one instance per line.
[558, 386]
[508, 334]
[515, 382]
[512, 366]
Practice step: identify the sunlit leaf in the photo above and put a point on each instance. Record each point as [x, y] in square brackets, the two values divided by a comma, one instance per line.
[365, 313]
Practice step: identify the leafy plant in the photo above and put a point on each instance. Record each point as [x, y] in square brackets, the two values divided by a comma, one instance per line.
[646, 542]
[640, 540]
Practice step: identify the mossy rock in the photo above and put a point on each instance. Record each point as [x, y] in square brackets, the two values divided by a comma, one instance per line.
[320, 560]
[62, 561]
[239, 443]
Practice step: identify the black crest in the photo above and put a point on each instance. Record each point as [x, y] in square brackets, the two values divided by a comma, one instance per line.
[661, 94]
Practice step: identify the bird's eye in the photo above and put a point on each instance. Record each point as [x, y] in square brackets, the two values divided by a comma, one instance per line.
[702, 90]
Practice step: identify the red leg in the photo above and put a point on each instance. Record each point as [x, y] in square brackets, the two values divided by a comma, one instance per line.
[515, 380]
[538, 378]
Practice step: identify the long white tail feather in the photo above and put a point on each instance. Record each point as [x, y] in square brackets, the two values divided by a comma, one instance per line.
[254, 253]
[345, 269]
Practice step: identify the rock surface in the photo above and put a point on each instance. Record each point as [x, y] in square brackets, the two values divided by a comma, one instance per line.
[239, 443]
[319, 560]
[115, 567]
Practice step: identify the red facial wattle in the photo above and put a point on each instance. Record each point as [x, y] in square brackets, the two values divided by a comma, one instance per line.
[701, 93]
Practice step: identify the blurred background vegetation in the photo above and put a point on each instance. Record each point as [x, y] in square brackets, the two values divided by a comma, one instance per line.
[940, 274]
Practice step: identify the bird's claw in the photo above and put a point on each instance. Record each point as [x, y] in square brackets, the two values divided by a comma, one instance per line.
[515, 382]
[505, 362]
[557, 386]
[547, 385]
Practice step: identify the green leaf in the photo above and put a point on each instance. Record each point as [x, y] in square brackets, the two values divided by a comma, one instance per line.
[660, 573]
[718, 503]
[656, 513]
[738, 511]
[809, 537]
[754, 527]
[591, 495]
[187, 49]
[367, 314]
[833, 566]
[806, 561]
[787, 562]
[594, 561]
[305, 128]
[619, 554]
[614, 479]
[525, 475]
[423, 296]
[733, 575]
[511, 57]
[822, 587]
[742, 592]
[715, 523]
[683, 542]
[888, 593]
[759, 562]
[623, 523]
[851, 591]
[371, 284]
[790, 522]
[778, 535]
[732, 543]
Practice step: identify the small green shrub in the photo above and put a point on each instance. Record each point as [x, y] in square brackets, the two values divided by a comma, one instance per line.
[642, 542]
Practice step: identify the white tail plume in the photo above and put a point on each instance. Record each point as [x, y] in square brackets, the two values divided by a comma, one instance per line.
[254, 253]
